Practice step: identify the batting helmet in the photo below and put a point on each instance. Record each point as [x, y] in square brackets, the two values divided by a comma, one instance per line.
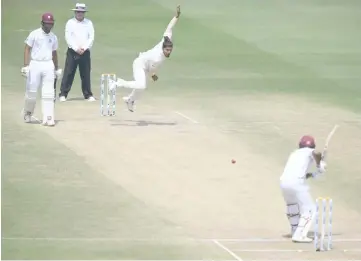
[307, 142]
[47, 18]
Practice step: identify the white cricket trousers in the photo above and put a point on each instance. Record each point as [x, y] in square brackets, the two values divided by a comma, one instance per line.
[140, 79]
[41, 73]
[298, 200]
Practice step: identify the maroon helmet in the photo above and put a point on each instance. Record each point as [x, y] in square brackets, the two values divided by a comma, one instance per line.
[307, 141]
[47, 18]
[47, 22]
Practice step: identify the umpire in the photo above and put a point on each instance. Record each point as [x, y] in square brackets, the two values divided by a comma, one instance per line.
[79, 35]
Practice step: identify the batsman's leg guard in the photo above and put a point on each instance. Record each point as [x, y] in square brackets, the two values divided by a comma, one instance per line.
[307, 208]
[30, 102]
[308, 224]
[308, 213]
[289, 193]
[48, 98]
[303, 227]
[32, 85]
[293, 215]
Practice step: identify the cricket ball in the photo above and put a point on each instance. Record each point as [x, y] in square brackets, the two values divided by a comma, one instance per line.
[233, 161]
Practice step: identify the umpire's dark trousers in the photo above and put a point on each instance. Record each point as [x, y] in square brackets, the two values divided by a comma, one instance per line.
[72, 61]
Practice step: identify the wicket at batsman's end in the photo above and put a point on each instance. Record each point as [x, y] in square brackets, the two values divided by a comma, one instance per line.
[323, 224]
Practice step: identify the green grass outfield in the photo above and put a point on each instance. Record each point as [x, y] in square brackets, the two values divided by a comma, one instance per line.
[246, 79]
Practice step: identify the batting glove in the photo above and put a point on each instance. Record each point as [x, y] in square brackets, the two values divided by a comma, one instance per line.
[58, 73]
[25, 71]
[155, 77]
[322, 167]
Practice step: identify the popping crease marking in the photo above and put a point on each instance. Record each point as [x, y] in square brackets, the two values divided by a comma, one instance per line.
[186, 117]
[227, 250]
[255, 240]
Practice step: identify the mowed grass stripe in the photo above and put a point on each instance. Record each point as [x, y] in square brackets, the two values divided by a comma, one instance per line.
[49, 191]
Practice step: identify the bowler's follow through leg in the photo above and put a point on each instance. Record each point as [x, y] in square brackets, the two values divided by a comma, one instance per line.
[138, 84]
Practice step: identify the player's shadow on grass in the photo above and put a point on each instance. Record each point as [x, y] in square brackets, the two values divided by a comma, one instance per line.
[76, 99]
[142, 123]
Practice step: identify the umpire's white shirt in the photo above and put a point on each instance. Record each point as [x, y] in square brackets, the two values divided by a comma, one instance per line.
[42, 45]
[79, 34]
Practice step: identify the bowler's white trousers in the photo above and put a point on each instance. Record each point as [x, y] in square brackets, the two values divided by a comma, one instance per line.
[140, 79]
[41, 73]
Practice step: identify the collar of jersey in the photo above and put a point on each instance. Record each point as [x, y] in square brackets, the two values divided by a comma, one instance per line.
[82, 21]
[44, 32]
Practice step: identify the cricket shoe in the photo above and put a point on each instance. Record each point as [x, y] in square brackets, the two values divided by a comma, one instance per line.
[48, 121]
[62, 99]
[27, 116]
[302, 239]
[130, 103]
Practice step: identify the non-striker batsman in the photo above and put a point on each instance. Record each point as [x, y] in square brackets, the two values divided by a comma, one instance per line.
[40, 69]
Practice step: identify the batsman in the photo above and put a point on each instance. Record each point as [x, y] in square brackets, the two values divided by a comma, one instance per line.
[41, 69]
[300, 204]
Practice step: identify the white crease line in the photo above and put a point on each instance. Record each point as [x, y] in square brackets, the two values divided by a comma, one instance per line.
[32, 116]
[168, 240]
[227, 250]
[271, 250]
[291, 250]
[186, 117]
[278, 129]
[276, 240]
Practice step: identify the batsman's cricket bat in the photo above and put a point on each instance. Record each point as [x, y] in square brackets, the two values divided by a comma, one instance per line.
[324, 152]
[55, 80]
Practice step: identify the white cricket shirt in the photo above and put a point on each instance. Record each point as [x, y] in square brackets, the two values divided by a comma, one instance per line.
[297, 164]
[79, 34]
[42, 45]
[154, 57]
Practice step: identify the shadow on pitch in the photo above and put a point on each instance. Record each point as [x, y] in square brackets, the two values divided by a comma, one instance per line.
[142, 123]
[36, 121]
[75, 99]
[311, 234]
